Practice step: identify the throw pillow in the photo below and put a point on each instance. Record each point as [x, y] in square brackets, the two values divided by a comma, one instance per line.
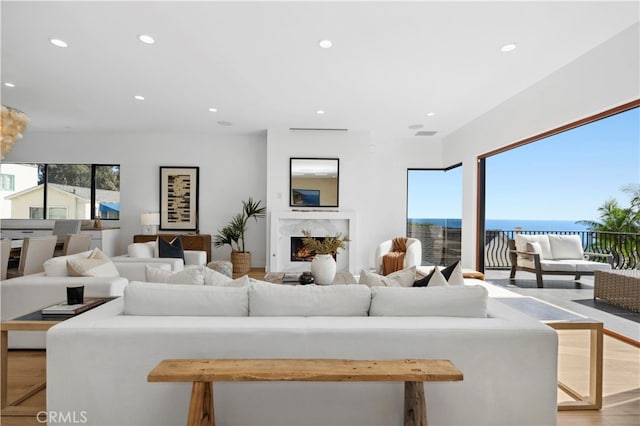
[403, 278]
[191, 275]
[170, 249]
[57, 266]
[215, 278]
[142, 250]
[96, 265]
[533, 247]
[451, 275]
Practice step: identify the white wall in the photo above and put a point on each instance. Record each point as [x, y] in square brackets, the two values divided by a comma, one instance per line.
[232, 168]
[603, 78]
[373, 177]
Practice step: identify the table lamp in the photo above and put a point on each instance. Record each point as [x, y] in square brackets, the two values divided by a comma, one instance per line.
[150, 222]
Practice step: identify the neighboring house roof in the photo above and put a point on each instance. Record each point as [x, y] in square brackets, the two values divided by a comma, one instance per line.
[83, 193]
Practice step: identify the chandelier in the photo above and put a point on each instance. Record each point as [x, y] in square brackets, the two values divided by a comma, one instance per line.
[14, 123]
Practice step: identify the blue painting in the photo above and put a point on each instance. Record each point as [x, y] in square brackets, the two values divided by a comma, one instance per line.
[305, 197]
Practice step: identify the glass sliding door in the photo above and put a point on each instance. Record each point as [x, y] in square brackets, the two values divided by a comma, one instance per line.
[434, 213]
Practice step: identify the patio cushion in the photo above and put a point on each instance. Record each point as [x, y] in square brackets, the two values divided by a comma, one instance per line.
[543, 240]
[566, 247]
[590, 266]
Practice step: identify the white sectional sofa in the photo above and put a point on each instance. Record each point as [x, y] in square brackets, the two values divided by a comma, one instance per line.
[551, 254]
[147, 253]
[22, 295]
[97, 363]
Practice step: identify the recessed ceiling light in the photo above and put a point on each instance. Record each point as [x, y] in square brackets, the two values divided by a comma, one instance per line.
[213, 109]
[58, 42]
[225, 123]
[416, 126]
[508, 47]
[145, 38]
[9, 84]
[320, 112]
[325, 44]
[138, 97]
[431, 114]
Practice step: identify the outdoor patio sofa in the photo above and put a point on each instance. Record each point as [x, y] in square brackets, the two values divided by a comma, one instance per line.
[550, 254]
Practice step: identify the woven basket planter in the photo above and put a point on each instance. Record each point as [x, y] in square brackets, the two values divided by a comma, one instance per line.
[241, 262]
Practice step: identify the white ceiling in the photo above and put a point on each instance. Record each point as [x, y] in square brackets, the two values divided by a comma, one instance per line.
[260, 65]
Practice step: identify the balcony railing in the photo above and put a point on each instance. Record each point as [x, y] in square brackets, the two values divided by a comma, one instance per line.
[624, 247]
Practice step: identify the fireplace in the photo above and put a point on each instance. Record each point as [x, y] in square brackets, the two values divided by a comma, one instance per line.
[300, 253]
[285, 240]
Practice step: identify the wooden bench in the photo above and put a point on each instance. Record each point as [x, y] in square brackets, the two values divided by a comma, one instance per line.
[202, 372]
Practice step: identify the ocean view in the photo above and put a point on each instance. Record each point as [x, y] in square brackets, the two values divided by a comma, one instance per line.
[511, 224]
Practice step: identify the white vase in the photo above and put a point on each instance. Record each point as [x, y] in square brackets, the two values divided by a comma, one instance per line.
[323, 269]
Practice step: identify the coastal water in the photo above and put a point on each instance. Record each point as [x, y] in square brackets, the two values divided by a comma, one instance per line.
[511, 224]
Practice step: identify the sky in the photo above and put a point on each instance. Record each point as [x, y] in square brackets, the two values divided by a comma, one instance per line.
[563, 177]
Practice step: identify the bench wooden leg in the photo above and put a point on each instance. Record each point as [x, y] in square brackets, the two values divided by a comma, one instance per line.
[415, 408]
[201, 405]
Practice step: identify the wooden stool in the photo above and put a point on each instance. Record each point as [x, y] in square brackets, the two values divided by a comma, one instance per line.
[202, 372]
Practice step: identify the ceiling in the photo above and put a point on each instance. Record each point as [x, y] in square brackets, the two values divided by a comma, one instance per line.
[260, 66]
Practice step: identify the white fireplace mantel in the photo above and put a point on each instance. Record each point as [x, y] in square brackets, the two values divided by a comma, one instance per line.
[285, 224]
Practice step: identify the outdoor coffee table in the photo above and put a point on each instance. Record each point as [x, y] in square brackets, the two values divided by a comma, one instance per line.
[619, 287]
[202, 372]
[33, 321]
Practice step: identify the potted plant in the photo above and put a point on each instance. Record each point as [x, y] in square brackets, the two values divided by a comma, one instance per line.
[234, 235]
[323, 265]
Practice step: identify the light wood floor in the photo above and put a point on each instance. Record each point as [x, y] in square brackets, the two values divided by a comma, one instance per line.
[621, 382]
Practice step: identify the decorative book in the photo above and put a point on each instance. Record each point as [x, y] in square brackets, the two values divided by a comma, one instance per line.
[65, 309]
[291, 277]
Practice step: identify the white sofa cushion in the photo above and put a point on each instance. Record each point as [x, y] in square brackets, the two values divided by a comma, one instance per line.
[152, 299]
[543, 240]
[192, 275]
[142, 250]
[57, 266]
[403, 278]
[449, 301]
[566, 247]
[136, 271]
[267, 299]
[97, 264]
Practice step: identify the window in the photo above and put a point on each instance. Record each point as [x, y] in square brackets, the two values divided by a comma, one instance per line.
[8, 182]
[61, 191]
[434, 213]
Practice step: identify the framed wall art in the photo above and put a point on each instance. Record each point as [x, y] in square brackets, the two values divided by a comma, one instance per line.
[179, 198]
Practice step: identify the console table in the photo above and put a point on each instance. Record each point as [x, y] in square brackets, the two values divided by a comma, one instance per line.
[202, 372]
[189, 241]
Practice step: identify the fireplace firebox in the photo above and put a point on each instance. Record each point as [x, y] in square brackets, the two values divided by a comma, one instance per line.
[300, 253]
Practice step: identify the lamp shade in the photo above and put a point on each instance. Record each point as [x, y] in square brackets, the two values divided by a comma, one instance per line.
[150, 219]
